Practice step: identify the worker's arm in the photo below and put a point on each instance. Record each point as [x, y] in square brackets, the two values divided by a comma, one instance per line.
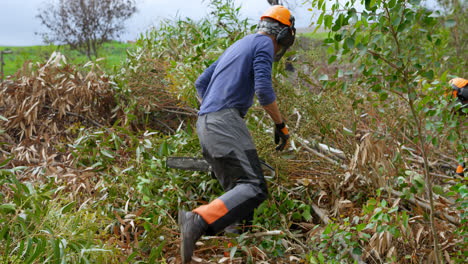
[202, 82]
[273, 111]
[262, 64]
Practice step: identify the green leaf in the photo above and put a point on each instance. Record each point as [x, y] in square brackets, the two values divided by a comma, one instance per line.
[296, 216]
[107, 153]
[321, 258]
[383, 96]
[319, 21]
[323, 77]
[331, 59]
[350, 42]
[313, 260]
[430, 74]
[233, 252]
[364, 21]
[340, 73]
[450, 23]
[357, 251]
[360, 227]
[438, 189]
[39, 249]
[8, 208]
[328, 21]
[163, 150]
[348, 132]
[320, 3]
[156, 252]
[361, 47]
[306, 214]
[67, 208]
[3, 163]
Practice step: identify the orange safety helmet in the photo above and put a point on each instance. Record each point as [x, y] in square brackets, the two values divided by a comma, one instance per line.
[459, 88]
[285, 38]
[278, 13]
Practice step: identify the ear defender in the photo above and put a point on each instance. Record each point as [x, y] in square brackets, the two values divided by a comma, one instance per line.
[287, 35]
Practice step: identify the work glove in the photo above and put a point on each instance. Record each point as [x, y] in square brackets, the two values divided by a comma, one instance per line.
[281, 132]
[460, 169]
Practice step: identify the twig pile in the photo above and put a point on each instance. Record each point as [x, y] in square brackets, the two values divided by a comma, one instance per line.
[42, 106]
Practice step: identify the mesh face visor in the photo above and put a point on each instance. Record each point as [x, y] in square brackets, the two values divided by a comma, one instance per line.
[462, 92]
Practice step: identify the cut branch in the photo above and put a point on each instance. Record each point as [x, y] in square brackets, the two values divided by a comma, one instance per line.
[332, 159]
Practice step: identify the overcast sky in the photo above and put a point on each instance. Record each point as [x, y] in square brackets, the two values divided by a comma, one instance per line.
[18, 21]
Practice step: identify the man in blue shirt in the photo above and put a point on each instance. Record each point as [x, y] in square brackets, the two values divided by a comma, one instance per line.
[227, 90]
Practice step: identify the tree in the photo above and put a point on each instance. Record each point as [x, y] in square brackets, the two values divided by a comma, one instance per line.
[85, 24]
[401, 48]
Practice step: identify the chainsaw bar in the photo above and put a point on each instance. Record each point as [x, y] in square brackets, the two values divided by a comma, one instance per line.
[187, 163]
[200, 164]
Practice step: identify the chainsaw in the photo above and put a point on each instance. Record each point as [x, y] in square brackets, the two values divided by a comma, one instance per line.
[200, 164]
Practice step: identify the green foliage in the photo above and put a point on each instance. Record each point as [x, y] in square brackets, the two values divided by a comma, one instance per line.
[401, 49]
[36, 229]
[197, 45]
[384, 88]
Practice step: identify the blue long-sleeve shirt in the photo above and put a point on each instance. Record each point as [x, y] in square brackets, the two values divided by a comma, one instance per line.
[243, 70]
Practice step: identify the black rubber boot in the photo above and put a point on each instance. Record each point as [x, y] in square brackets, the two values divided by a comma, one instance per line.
[192, 227]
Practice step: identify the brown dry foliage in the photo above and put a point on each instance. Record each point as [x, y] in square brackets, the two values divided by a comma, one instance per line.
[42, 102]
[157, 105]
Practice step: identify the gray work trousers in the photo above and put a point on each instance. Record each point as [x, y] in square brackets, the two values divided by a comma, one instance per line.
[228, 146]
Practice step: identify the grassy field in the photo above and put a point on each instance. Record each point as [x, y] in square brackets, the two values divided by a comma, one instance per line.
[113, 53]
[316, 35]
